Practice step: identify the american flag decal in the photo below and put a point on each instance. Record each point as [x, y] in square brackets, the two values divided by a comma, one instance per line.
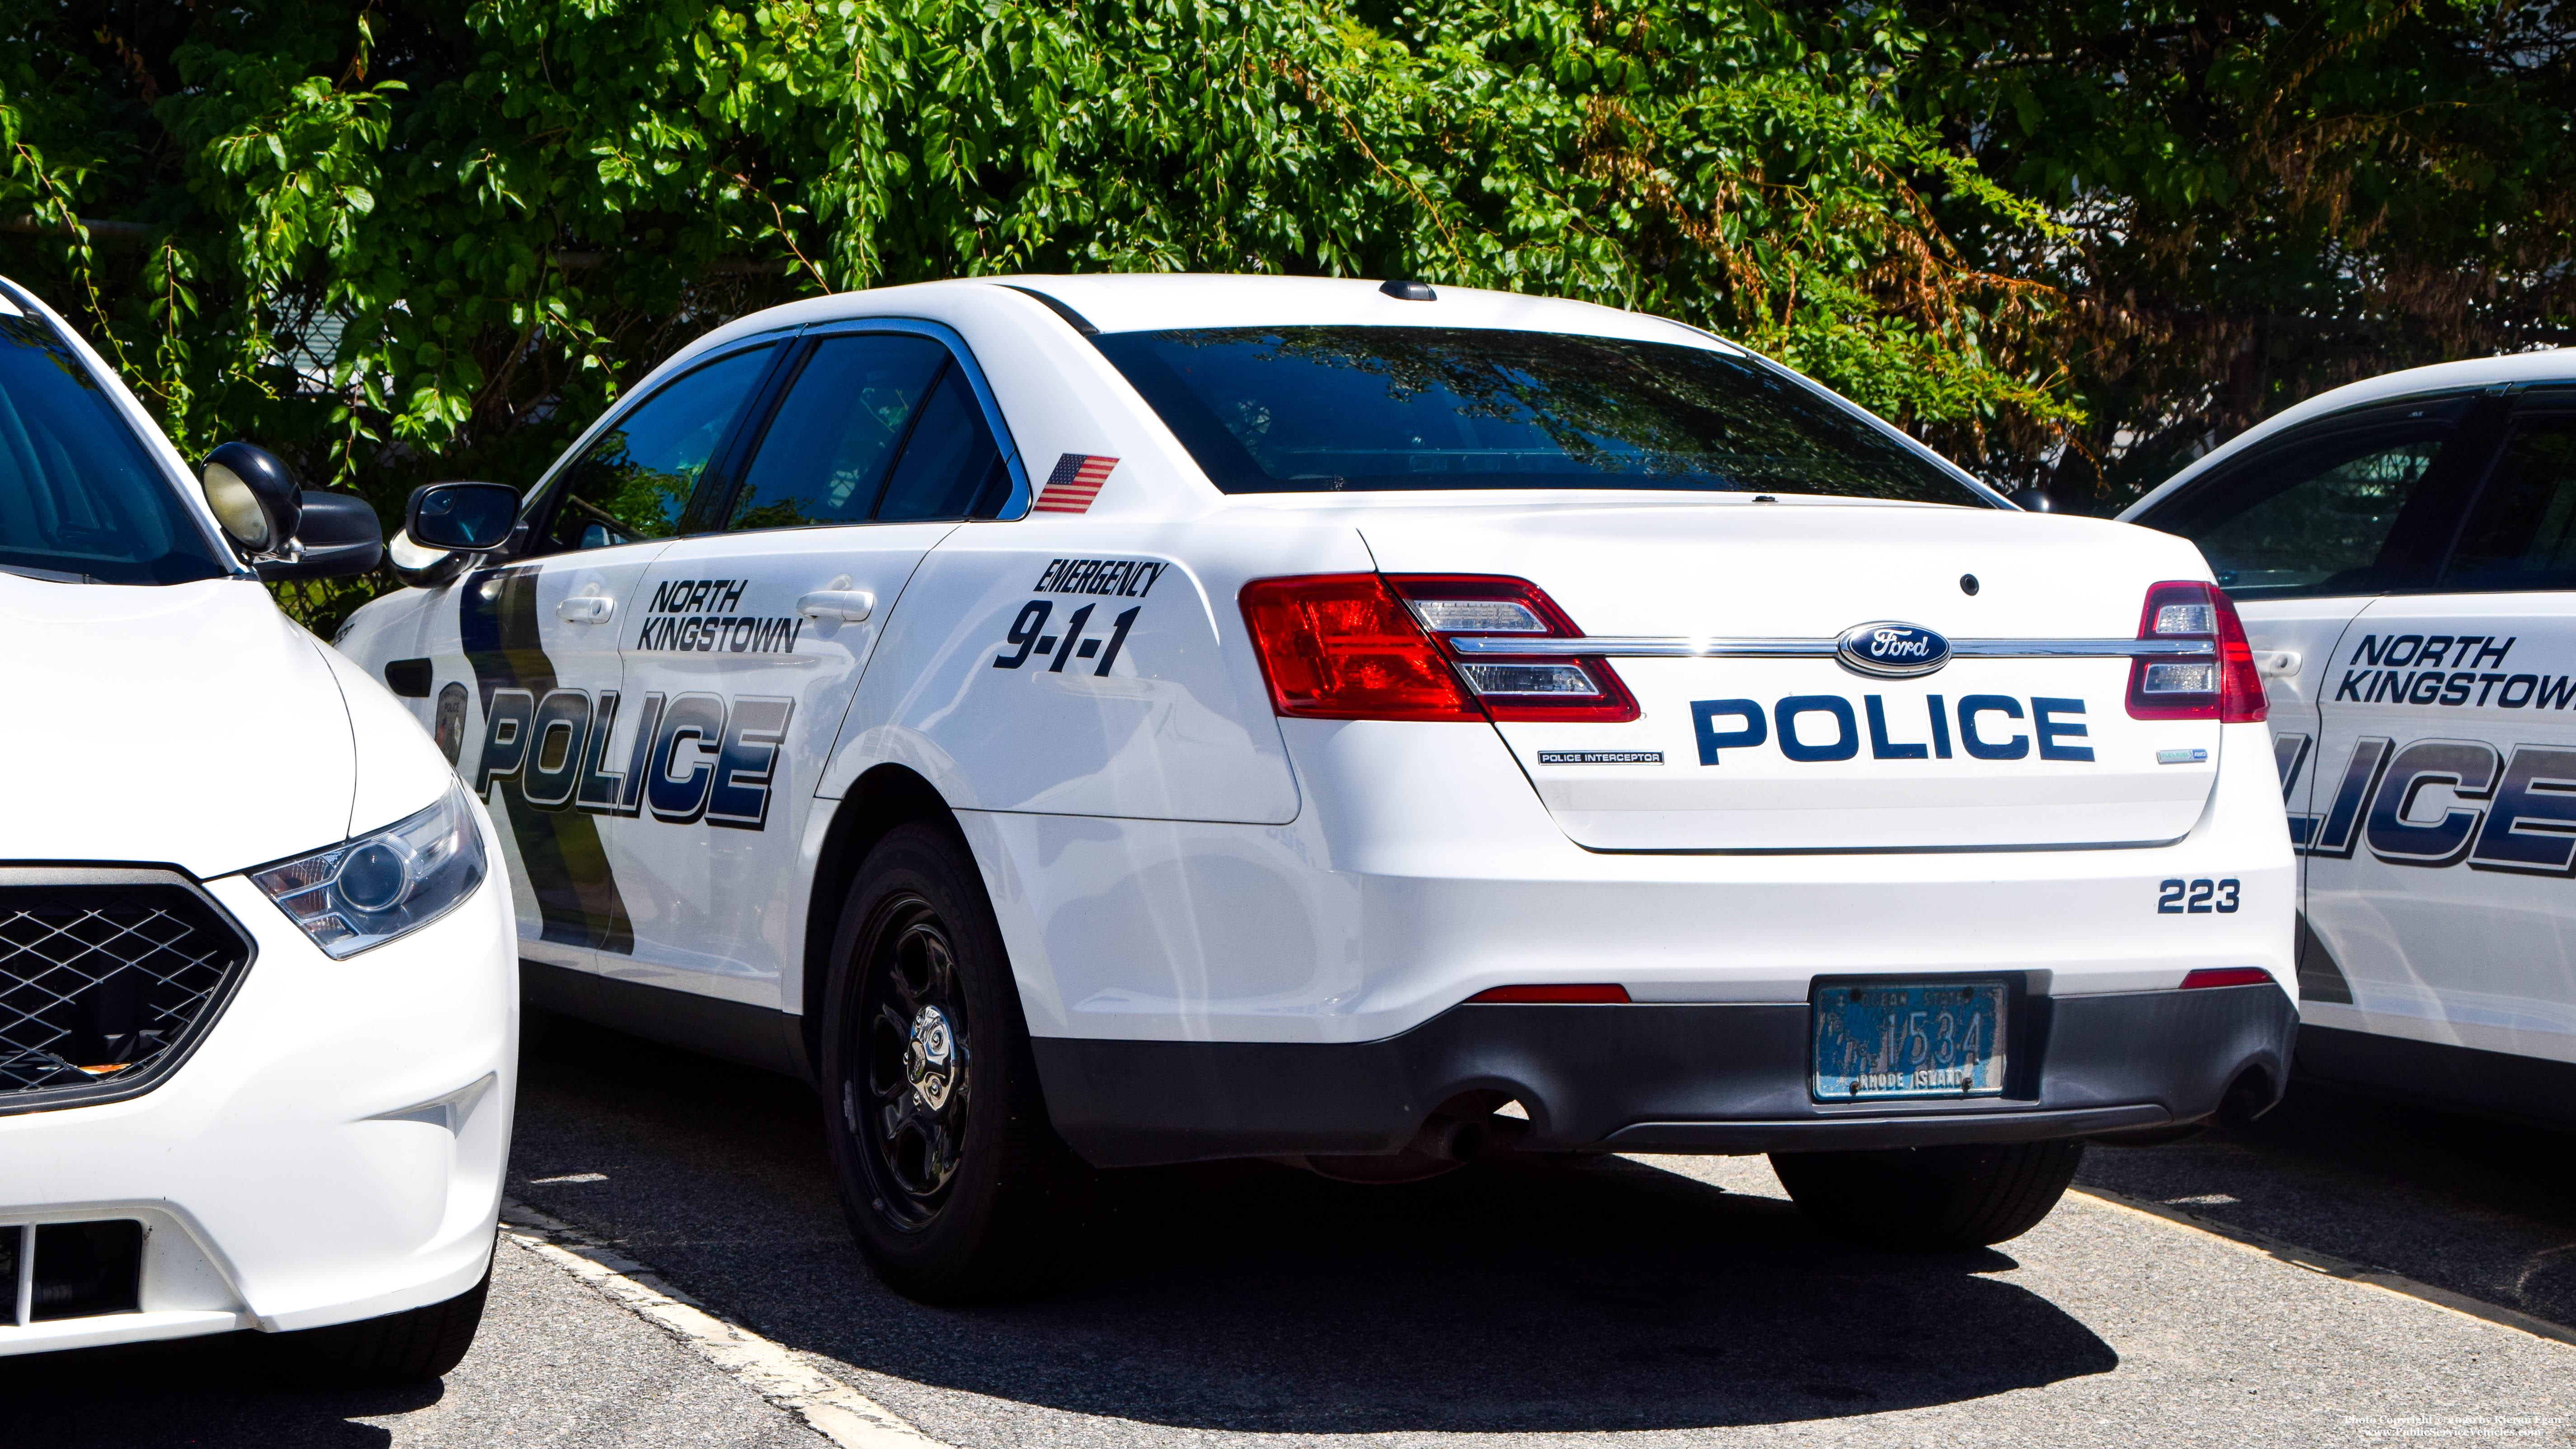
[1074, 483]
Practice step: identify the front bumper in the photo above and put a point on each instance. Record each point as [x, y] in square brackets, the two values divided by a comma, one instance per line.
[331, 1151]
[1654, 1078]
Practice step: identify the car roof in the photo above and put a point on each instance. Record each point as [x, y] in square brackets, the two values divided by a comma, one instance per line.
[1143, 302]
[1156, 301]
[2557, 364]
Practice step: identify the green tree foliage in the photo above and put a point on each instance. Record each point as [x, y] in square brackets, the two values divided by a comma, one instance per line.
[2254, 203]
[433, 240]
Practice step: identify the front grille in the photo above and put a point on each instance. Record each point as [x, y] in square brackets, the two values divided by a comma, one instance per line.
[107, 978]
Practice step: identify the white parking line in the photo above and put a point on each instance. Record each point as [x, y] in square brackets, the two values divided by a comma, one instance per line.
[2332, 1266]
[828, 1406]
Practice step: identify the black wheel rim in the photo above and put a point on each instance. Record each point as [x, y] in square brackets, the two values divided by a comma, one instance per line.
[905, 1085]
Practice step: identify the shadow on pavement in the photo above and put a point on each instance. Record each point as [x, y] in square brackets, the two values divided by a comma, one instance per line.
[2477, 1206]
[222, 1391]
[1596, 1295]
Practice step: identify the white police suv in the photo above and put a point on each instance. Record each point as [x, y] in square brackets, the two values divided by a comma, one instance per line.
[258, 1012]
[1187, 717]
[2403, 551]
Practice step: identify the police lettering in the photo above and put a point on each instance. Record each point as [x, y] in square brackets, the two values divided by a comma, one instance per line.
[691, 758]
[1823, 727]
[2506, 813]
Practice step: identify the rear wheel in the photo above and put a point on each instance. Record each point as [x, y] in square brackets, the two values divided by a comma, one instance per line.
[948, 1170]
[399, 1348]
[1927, 1198]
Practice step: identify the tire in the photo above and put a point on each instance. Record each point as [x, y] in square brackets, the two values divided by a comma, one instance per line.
[1930, 1198]
[949, 1172]
[400, 1348]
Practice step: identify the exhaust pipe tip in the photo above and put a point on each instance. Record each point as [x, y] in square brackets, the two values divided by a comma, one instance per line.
[2250, 1096]
[1457, 1133]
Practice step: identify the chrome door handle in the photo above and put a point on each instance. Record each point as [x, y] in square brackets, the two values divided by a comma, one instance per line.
[850, 606]
[586, 609]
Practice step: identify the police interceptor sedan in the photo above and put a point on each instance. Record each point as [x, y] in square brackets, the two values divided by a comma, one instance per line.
[1130, 720]
[2404, 553]
[258, 994]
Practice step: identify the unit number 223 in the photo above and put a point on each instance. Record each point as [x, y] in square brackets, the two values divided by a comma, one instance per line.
[2195, 897]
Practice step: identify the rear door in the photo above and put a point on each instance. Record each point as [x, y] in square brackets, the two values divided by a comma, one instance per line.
[746, 643]
[526, 669]
[2440, 874]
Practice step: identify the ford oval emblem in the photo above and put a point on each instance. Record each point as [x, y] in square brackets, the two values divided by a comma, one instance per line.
[1892, 651]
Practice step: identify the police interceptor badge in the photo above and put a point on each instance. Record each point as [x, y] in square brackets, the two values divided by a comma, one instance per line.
[1891, 651]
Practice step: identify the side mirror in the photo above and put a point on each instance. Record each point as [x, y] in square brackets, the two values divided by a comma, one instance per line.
[338, 537]
[461, 517]
[2034, 500]
[254, 497]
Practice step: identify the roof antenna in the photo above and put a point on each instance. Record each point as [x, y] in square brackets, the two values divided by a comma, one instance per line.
[1408, 291]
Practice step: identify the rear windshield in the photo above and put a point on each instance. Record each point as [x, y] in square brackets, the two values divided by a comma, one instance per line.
[1375, 409]
[80, 499]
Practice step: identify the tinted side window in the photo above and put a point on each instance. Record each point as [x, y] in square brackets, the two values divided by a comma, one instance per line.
[2521, 534]
[825, 456]
[634, 479]
[2313, 517]
[951, 467]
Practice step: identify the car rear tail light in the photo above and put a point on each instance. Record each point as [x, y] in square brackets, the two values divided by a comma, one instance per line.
[2226, 976]
[1455, 607]
[2222, 684]
[1552, 996]
[1343, 646]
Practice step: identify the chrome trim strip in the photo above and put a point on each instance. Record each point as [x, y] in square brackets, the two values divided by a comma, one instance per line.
[1607, 647]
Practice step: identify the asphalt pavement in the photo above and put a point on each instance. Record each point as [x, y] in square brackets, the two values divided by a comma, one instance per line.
[1668, 1301]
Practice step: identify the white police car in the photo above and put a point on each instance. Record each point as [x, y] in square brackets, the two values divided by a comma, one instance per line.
[1190, 717]
[258, 1014]
[2403, 551]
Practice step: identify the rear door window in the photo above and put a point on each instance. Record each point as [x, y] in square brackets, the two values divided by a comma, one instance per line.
[878, 427]
[951, 466]
[826, 453]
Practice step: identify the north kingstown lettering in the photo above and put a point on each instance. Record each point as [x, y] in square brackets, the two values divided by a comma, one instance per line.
[2453, 688]
[701, 616]
[1126, 578]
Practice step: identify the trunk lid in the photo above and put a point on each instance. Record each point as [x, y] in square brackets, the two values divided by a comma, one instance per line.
[1982, 753]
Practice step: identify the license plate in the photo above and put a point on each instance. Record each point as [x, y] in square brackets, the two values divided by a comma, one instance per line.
[1885, 1039]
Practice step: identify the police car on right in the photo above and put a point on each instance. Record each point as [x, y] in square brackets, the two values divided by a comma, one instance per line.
[2403, 553]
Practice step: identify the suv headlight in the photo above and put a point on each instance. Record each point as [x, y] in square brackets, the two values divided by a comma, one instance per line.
[366, 891]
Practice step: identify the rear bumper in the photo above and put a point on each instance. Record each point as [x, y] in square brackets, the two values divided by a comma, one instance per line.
[1423, 870]
[1652, 1078]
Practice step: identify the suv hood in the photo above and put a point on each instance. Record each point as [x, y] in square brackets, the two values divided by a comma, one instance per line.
[190, 724]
